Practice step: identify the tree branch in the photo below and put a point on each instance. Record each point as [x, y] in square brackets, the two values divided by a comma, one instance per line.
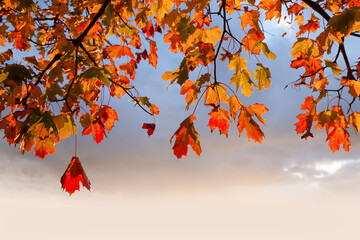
[317, 8]
[222, 36]
[112, 81]
[79, 39]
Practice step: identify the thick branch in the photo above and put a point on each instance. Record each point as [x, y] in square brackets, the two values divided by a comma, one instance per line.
[78, 40]
[317, 8]
[222, 36]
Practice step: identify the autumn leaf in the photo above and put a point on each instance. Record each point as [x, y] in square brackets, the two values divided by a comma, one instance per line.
[346, 22]
[66, 125]
[5, 56]
[334, 67]
[354, 87]
[306, 120]
[73, 175]
[237, 62]
[189, 88]
[150, 128]
[215, 93]
[44, 147]
[184, 136]
[108, 116]
[219, 118]
[262, 75]
[354, 119]
[337, 137]
[265, 49]
[152, 107]
[302, 46]
[117, 51]
[153, 57]
[97, 73]
[335, 125]
[235, 105]
[242, 79]
[253, 130]
[250, 18]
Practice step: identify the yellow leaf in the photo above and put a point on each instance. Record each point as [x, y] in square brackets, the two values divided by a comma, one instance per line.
[334, 67]
[242, 79]
[237, 62]
[354, 119]
[302, 46]
[211, 35]
[263, 75]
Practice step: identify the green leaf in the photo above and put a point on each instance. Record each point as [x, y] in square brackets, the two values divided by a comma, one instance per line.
[53, 90]
[3, 76]
[17, 73]
[97, 73]
[347, 21]
[48, 120]
[56, 72]
[65, 124]
[203, 79]
[183, 73]
[185, 28]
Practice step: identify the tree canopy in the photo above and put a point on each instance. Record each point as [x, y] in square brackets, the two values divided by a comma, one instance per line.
[76, 50]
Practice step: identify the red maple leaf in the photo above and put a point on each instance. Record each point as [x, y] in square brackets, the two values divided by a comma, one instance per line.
[150, 128]
[74, 174]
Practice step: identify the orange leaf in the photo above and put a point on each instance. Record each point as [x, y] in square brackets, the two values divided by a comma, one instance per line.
[44, 147]
[153, 57]
[354, 119]
[304, 124]
[186, 135]
[250, 18]
[74, 174]
[295, 8]
[258, 110]
[117, 51]
[311, 26]
[252, 37]
[189, 88]
[252, 128]
[337, 137]
[150, 128]
[219, 118]
[98, 131]
[175, 41]
[108, 117]
[299, 62]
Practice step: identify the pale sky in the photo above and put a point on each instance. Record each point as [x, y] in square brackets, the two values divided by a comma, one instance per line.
[285, 188]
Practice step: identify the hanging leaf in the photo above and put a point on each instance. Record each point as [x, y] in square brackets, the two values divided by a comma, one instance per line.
[73, 176]
[150, 128]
